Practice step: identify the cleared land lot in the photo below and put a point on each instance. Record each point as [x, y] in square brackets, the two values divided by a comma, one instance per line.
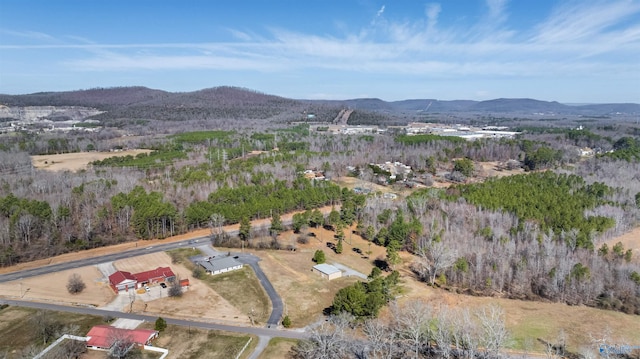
[200, 301]
[78, 160]
[53, 288]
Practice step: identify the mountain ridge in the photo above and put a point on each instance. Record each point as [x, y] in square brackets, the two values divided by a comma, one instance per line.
[233, 97]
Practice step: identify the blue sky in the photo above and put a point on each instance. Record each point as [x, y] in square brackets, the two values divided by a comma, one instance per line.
[576, 51]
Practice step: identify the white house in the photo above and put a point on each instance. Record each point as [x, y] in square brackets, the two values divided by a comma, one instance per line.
[220, 265]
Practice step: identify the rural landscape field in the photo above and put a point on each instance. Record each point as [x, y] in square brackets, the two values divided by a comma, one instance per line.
[489, 246]
[320, 180]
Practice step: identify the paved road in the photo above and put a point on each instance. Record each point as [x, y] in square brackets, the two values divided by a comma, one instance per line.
[266, 332]
[101, 259]
[276, 301]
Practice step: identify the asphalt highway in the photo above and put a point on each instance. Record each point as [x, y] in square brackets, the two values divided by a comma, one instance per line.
[101, 259]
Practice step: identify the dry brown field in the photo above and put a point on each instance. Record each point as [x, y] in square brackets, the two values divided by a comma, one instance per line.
[529, 319]
[77, 161]
[304, 293]
[53, 288]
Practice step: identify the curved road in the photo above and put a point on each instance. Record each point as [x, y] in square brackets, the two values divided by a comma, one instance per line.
[276, 301]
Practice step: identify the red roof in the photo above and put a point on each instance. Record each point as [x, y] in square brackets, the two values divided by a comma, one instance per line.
[120, 276]
[102, 336]
[160, 272]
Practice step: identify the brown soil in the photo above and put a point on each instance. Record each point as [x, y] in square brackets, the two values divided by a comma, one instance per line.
[76, 161]
[53, 288]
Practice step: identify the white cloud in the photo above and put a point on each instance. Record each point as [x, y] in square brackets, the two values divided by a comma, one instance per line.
[574, 40]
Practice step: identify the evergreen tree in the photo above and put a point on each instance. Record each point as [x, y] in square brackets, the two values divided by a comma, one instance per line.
[161, 324]
[245, 229]
[276, 224]
[339, 246]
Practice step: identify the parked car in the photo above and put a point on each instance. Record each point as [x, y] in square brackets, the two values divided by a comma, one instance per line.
[146, 287]
[163, 285]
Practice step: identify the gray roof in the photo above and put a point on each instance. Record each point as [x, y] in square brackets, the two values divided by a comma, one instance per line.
[327, 269]
[220, 263]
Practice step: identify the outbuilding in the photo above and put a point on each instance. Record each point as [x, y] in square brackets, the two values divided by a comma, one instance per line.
[327, 271]
[220, 265]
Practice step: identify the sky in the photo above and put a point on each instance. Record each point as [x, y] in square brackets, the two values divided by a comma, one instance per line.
[571, 51]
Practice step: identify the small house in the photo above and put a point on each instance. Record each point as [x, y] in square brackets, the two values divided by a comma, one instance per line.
[103, 337]
[219, 265]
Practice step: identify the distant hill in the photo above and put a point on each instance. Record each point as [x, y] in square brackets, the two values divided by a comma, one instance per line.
[502, 105]
[238, 103]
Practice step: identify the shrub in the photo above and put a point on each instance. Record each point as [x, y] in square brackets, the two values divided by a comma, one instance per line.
[75, 284]
[161, 324]
[286, 322]
[319, 257]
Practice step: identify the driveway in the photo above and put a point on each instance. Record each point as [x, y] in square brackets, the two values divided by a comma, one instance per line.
[276, 301]
[348, 272]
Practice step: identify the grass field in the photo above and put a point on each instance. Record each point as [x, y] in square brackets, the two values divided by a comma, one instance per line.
[191, 343]
[19, 328]
[241, 288]
[278, 348]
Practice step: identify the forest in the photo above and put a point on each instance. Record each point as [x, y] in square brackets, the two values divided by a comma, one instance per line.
[536, 236]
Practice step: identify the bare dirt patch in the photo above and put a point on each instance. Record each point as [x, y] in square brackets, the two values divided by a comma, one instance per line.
[494, 169]
[53, 288]
[78, 160]
[199, 301]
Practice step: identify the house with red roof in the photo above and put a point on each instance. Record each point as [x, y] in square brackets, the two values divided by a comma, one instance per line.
[122, 280]
[104, 337]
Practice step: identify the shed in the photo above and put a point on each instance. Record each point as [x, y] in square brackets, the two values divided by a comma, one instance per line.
[220, 265]
[327, 271]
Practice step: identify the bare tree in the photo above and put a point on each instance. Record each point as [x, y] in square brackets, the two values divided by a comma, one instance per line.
[433, 260]
[121, 343]
[411, 324]
[175, 288]
[443, 333]
[495, 334]
[75, 284]
[380, 345]
[327, 341]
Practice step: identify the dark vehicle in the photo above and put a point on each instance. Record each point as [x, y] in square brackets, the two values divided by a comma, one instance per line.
[163, 285]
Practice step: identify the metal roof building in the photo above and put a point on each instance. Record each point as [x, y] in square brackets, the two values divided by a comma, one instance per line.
[327, 271]
[220, 265]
